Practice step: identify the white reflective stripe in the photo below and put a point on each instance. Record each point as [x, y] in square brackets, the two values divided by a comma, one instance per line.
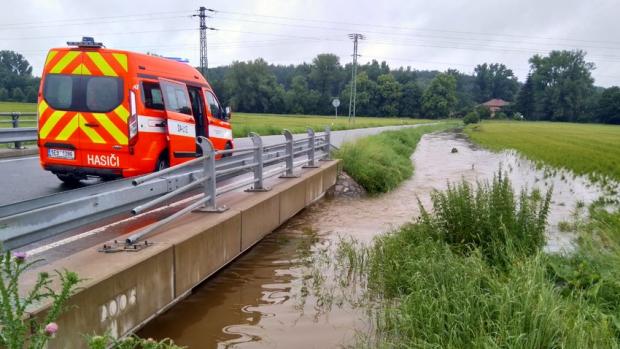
[151, 124]
[219, 132]
[179, 128]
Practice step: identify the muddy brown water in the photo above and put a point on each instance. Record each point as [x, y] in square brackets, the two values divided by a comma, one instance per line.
[262, 299]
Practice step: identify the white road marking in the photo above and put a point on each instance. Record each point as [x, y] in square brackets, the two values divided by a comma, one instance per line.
[20, 159]
[86, 234]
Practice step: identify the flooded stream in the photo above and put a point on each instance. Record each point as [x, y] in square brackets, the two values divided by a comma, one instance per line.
[262, 299]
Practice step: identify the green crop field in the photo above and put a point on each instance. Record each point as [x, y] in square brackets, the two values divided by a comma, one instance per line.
[18, 107]
[586, 149]
[263, 124]
[270, 124]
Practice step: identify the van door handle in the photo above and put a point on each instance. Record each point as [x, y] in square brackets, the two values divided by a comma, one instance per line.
[91, 124]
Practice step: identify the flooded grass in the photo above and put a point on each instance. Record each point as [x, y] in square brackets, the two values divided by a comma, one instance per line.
[381, 162]
[586, 149]
[431, 285]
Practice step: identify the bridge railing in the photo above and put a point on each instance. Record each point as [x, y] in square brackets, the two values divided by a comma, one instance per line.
[11, 132]
[26, 222]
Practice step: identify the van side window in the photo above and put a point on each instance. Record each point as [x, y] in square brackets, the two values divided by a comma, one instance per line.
[151, 96]
[176, 98]
[214, 105]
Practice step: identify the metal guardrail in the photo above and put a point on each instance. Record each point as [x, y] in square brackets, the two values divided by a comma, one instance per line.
[33, 220]
[17, 134]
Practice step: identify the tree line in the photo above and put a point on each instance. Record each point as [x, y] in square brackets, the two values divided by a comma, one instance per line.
[17, 84]
[559, 87]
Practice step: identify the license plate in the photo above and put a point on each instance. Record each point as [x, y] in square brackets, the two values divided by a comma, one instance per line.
[61, 154]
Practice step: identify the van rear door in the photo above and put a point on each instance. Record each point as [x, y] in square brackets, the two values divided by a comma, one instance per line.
[58, 109]
[104, 114]
[179, 120]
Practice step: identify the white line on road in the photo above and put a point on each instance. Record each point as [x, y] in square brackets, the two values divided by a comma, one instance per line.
[19, 159]
[86, 234]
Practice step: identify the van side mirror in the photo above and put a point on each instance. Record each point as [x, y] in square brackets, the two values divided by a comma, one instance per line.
[228, 113]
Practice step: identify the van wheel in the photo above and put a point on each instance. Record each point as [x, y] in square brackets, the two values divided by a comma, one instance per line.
[162, 163]
[69, 179]
[227, 147]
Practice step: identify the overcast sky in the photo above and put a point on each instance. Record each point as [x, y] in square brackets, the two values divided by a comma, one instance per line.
[437, 34]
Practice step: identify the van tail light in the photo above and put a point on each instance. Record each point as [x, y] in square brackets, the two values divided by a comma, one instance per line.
[132, 122]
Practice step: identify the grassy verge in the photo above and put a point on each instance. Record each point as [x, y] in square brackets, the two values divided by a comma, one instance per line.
[380, 162]
[471, 274]
[586, 149]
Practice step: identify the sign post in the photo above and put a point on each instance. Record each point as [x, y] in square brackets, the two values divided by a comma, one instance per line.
[336, 104]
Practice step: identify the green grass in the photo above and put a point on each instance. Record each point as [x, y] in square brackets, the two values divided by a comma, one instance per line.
[264, 124]
[586, 149]
[380, 162]
[272, 124]
[18, 107]
[431, 284]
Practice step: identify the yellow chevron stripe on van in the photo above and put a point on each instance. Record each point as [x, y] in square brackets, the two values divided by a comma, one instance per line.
[81, 70]
[90, 132]
[122, 113]
[50, 123]
[109, 126]
[41, 108]
[50, 56]
[101, 63]
[121, 58]
[69, 129]
[64, 61]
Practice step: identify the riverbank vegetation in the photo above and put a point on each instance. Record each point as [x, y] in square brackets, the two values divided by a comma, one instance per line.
[592, 150]
[381, 162]
[471, 273]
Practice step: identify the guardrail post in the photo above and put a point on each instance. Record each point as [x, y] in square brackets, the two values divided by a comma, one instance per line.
[327, 148]
[311, 143]
[258, 164]
[15, 118]
[208, 156]
[290, 156]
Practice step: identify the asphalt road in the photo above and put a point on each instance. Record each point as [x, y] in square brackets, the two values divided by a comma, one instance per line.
[24, 179]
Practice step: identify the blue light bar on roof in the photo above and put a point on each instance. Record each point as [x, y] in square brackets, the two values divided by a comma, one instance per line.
[178, 59]
[87, 41]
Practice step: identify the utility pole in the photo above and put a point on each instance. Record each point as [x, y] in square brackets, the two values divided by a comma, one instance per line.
[204, 62]
[355, 37]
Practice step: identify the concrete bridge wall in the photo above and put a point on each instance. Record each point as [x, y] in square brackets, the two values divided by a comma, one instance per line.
[124, 290]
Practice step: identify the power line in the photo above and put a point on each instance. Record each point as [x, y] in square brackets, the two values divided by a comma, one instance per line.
[392, 33]
[355, 37]
[204, 62]
[366, 25]
[88, 19]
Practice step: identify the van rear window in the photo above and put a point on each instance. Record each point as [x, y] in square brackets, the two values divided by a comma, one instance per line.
[96, 94]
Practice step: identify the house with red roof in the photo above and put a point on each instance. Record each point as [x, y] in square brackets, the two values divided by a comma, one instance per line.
[495, 105]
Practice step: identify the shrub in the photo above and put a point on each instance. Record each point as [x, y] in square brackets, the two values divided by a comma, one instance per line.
[471, 118]
[483, 112]
[489, 219]
[17, 329]
[501, 115]
[380, 162]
